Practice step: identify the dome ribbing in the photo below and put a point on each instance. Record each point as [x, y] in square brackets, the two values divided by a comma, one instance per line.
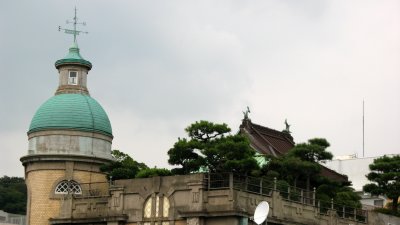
[71, 112]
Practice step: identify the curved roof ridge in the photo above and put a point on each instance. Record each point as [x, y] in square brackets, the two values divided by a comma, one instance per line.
[270, 132]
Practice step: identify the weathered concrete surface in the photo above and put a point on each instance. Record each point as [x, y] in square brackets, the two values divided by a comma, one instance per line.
[383, 219]
[70, 142]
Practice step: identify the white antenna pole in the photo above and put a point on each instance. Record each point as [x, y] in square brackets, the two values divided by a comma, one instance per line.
[363, 131]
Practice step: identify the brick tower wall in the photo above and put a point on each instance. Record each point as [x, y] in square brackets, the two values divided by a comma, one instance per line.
[42, 178]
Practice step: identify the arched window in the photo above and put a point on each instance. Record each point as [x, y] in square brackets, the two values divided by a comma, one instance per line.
[68, 187]
[156, 210]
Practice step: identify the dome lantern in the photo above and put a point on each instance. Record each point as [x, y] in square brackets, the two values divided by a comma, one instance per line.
[73, 68]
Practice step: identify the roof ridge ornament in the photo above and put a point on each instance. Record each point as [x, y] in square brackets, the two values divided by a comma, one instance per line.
[246, 113]
[287, 129]
[74, 32]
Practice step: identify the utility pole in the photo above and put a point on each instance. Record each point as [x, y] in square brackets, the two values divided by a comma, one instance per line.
[363, 129]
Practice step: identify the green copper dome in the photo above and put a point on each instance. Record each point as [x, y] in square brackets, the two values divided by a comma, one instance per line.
[71, 112]
[73, 58]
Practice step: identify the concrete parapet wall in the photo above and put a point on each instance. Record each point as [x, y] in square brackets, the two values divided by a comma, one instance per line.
[383, 219]
[192, 202]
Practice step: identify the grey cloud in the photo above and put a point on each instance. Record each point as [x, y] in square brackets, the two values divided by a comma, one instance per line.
[158, 66]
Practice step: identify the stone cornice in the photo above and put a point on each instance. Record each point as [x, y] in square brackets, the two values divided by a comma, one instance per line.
[70, 133]
[59, 157]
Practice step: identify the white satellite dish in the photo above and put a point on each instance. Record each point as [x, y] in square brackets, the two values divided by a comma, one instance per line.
[261, 212]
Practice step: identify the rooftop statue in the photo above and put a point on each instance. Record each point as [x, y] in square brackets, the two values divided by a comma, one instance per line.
[246, 113]
[287, 129]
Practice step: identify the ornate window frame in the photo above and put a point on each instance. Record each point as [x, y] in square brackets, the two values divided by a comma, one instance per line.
[68, 187]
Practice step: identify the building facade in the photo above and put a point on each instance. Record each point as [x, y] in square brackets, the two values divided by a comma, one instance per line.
[357, 169]
[11, 219]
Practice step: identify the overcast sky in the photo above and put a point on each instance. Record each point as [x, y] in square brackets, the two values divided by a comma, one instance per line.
[160, 65]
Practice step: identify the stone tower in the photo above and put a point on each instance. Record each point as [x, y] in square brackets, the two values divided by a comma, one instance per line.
[69, 138]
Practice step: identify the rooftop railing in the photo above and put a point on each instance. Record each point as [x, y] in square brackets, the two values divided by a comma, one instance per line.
[266, 187]
[260, 186]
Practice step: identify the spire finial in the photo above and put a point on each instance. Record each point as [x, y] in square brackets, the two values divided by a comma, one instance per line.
[74, 31]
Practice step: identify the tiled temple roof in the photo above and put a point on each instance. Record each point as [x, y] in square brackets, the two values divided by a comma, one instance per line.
[268, 141]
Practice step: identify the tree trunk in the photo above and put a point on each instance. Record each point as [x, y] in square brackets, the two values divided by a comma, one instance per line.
[395, 203]
[308, 187]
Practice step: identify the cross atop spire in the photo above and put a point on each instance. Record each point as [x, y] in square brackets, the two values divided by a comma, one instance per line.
[74, 31]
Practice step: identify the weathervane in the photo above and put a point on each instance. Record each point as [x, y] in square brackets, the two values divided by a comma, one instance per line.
[74, 31]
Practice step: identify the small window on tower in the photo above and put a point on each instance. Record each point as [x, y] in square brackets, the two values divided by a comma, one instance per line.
[73, 78]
